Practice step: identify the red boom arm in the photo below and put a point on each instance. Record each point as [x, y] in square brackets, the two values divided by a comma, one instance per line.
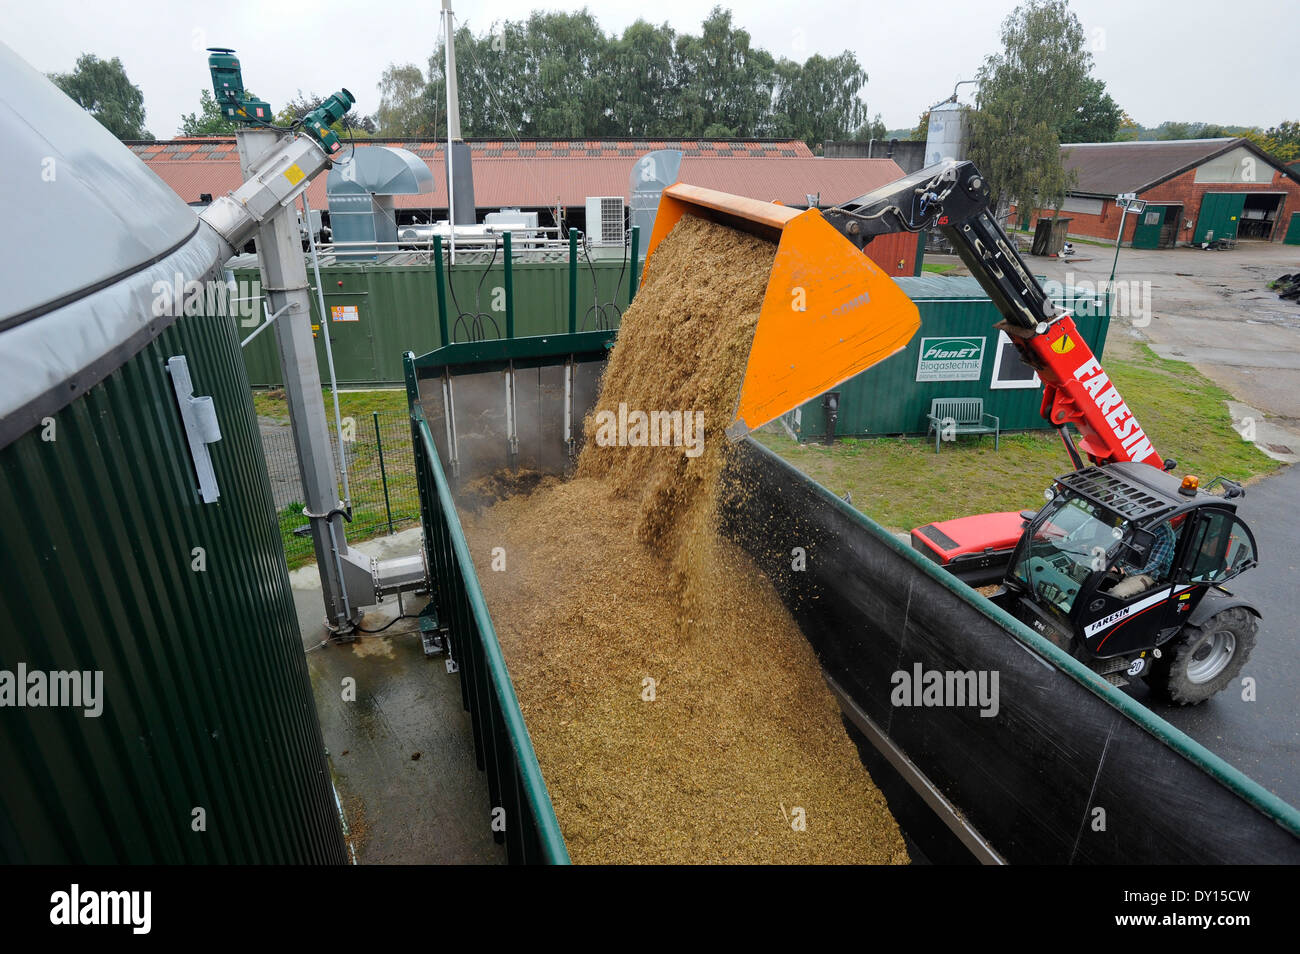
[1077, 391]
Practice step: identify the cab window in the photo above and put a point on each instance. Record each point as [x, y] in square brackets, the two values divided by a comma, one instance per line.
[1221, 548]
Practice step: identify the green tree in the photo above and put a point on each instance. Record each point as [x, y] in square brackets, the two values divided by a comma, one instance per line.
[208, 121]
[1129, 129]
[873, 129]
[820, 99]
[1027, 93]
[1175, 130]
[558, 75]
[102, 88]
[1283, 141]
[403, 109]
[1180, 130]
[544, 77]
[922, 131]
[724, 83]
[644, 80]
[1097, 118]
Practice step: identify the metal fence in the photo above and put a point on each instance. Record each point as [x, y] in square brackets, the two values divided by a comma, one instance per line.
[381, 478]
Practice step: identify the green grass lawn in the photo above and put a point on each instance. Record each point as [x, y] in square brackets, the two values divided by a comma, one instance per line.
[938, 268]
[903, 483]
[357, 404]
[365, 479]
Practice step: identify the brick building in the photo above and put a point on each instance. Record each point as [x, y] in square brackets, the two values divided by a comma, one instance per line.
[1196, 190]
[539, 175]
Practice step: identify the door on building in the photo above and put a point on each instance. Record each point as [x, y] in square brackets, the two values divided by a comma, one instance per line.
[1157, 226]
[1220, 216]
[1293, 230]
[1260, 215]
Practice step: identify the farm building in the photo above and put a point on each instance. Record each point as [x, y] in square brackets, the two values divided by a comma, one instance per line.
[1196, 190]
[539, 175]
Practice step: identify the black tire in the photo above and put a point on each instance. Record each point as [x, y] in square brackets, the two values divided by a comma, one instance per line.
[1172, 676]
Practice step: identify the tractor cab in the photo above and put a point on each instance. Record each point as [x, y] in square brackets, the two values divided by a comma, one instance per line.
[1119, 560]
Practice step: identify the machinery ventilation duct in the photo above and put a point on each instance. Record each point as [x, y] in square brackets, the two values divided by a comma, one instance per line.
[361, 192]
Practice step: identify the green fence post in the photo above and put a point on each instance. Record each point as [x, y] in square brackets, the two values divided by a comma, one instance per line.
[383, 472]
[574, 238]
[443, 340]
[510, 290]
[636, 251]
[416, 413]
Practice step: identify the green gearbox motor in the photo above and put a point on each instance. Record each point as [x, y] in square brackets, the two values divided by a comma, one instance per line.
[238, 106]
[228, 84]
[318, 121]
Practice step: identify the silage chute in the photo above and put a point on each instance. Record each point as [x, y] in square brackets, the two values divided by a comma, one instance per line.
[829, 312]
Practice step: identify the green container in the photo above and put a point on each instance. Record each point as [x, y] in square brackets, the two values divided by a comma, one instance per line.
[888, 398]
[396, 310]
[207, 706]
[179, 723]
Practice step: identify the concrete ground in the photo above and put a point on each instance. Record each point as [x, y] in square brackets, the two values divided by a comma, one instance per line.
[401, 747]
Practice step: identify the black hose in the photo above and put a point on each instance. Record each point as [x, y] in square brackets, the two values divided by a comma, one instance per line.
[604, 317]
[473, 322]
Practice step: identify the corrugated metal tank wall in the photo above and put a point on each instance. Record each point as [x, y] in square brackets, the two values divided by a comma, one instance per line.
[207, 700]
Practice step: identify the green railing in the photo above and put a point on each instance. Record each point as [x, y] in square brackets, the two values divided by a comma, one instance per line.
[521, 811]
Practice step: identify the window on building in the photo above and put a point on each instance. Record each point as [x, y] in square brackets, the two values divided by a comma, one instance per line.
[1009, 371]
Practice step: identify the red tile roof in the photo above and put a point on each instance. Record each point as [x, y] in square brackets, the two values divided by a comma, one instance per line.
[536, 174]
[504, 149]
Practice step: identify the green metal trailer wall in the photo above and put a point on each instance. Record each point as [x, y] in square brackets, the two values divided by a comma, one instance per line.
[397, 311]
[888, 399]
[207, 720]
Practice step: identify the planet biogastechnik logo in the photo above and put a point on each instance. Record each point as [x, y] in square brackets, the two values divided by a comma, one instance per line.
[950, 359]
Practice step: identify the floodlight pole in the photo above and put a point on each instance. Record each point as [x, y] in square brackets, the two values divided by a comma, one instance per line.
[1119, 239]
[1126, 201]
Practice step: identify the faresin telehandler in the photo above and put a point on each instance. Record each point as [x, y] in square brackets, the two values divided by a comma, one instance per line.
[1125, 564]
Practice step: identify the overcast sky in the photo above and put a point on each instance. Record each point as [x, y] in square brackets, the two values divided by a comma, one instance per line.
[1192, 60]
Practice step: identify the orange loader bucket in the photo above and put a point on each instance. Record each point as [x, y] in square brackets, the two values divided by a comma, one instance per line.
[828, 313]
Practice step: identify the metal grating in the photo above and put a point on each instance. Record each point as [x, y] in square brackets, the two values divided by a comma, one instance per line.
[611, 220]
[1116, 494]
